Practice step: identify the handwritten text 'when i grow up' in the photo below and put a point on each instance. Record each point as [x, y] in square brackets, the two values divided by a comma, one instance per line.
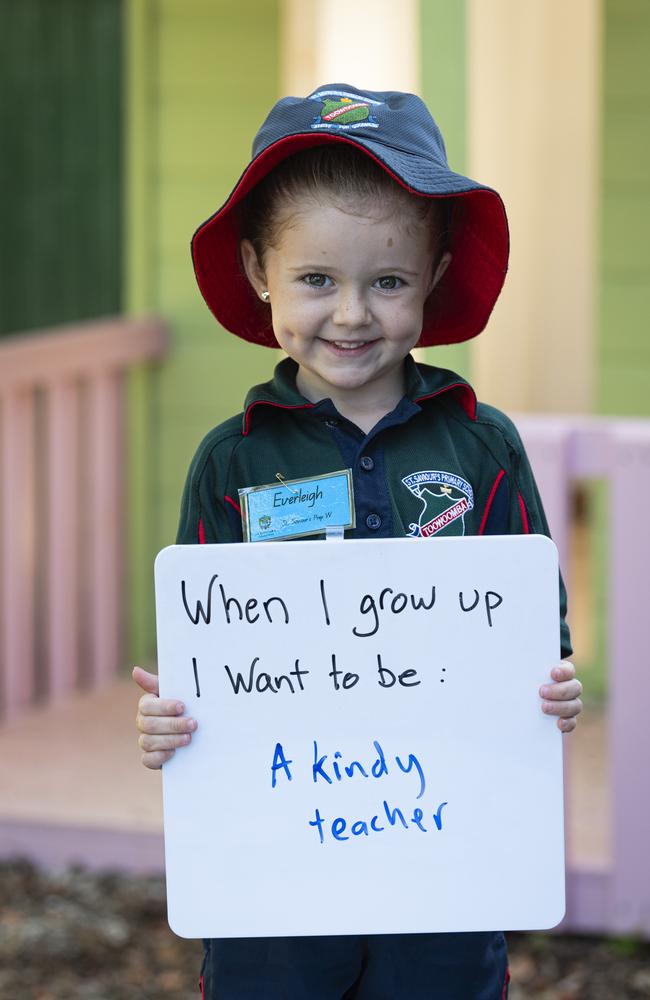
[220, 607]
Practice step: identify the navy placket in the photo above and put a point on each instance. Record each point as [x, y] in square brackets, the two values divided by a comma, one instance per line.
[364, 454]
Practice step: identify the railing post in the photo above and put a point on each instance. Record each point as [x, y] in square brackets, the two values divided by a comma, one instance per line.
[62, 538]
[548, 445]
[107, 530]
[629, 675]
[17, 555]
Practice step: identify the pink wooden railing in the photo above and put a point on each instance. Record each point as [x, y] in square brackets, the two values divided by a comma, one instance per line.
[616, 897]
[61, 512]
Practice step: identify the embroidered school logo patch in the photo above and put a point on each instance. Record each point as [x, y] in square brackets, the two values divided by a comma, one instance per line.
[344, 111]
[445, 498]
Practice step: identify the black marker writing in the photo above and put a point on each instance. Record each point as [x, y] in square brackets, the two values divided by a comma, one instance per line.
[324, 602]
[200, 612]
[349, 679]
[263, 681]
[387, 678]
[489, 604]
[396, 604]
[274, 608]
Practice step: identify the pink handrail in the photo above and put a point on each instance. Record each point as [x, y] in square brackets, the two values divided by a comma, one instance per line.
[615, 898]
[62, 459]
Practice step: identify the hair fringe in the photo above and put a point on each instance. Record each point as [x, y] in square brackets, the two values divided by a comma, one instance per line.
[339, 174]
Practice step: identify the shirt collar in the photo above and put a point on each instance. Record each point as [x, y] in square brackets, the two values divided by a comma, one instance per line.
[422, 382]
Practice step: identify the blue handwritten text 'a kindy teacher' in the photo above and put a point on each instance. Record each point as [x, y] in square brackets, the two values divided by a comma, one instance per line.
[331, 768]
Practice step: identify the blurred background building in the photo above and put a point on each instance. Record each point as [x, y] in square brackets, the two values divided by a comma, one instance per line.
[125, 125]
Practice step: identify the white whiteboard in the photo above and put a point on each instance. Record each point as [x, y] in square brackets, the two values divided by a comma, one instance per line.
[247, 855]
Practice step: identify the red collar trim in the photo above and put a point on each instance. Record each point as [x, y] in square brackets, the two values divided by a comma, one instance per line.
[279, 406]
[465, 393]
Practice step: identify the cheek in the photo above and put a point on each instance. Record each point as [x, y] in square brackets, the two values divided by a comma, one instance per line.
[297, 316]
[404, 319]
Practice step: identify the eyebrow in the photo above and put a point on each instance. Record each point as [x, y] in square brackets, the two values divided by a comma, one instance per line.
[322, 267]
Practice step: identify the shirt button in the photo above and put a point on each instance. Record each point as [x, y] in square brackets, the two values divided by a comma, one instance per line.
[331, 423]
[366, 463]
[373, 521]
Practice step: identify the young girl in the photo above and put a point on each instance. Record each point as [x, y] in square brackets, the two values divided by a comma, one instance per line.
[348, 241]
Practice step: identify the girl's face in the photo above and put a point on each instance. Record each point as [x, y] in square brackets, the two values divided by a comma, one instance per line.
[347, 293]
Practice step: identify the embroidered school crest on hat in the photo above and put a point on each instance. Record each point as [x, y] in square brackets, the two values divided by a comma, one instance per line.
[397, 131]
[446, 499]
[341, 110]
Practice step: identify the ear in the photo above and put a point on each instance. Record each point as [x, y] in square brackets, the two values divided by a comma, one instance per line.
[252, 267]
[444, 263]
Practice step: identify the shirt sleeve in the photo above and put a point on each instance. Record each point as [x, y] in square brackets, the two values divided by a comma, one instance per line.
[527, 517]
[203, 517]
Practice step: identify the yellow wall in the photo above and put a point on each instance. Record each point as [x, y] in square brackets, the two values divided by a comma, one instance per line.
[534, 116]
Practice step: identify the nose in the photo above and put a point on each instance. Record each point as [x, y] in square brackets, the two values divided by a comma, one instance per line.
[351, 309]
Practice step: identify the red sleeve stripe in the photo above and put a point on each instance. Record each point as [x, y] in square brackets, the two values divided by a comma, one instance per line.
[524, 515]
[201, 532]
[232, 503]
[495, 486]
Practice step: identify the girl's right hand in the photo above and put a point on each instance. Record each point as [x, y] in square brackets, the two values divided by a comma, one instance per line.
[161, 722]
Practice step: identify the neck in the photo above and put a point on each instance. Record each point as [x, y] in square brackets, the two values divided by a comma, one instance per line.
[363, 405]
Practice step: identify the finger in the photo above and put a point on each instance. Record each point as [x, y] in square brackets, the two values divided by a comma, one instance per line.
[145, 680]
[165, 725]
[151, 704]
[566, 725]
[564, 709]
[562, 691]
[564, 671]
[168, 742]
[156, 759]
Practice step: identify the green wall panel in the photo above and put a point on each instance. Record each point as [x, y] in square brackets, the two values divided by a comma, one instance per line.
[443, 88]
[60, 169]
[624, 348]
[202, 77]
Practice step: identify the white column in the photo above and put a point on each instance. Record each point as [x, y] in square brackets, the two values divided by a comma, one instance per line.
[370, 45]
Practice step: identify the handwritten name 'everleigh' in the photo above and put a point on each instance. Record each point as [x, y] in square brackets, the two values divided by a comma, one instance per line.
[282, 498]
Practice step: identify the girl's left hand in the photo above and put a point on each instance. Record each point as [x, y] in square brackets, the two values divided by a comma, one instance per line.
[563, 697]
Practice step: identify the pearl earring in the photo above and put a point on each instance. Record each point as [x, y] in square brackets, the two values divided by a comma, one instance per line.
[265, 295]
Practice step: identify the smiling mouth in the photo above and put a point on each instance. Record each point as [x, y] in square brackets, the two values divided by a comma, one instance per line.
[348, 345]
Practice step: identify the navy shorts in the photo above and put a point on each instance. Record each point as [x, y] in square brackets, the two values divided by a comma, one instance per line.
[379, 967]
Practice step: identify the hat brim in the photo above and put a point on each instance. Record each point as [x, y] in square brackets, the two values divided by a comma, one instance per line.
[457, 309]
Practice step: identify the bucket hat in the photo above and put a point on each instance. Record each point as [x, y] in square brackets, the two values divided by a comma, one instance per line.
[398, 132]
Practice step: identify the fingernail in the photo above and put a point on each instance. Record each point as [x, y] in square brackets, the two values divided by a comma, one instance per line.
[547, 706]
[544, 691]
[186, 738]
[191, 723]
[180, 708]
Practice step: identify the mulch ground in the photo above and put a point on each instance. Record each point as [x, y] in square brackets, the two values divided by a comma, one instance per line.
[82, 936]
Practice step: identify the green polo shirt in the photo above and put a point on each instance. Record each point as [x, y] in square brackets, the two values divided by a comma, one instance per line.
[439, 464]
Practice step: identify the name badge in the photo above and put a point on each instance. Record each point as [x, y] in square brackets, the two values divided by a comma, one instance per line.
[295, 508]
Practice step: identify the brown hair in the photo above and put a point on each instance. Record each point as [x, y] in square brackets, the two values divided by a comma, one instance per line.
[342, 174]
